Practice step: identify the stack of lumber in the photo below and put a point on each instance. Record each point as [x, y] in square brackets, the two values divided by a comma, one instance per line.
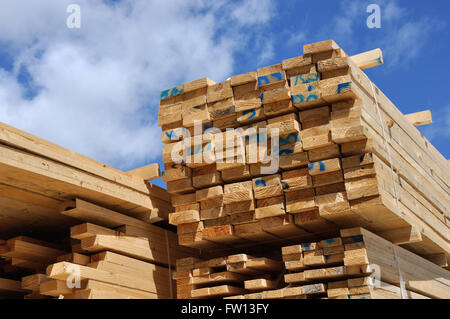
[37, 177]
[347, 158]
[46, 191]
[117, 257]
[113, 256]
[23, 256]
[357, 265]
[226, 276]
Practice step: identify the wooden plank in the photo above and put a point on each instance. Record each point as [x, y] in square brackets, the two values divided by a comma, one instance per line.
[75, 258]
[319, 47]
[148, 172]
[98, 215]
[63, 270]
[31, 252]
[420, 118]
[33, 144]
[88, 230]
[368, 59]
[11, 286]
[54, 288]
[139, 248]
[261, 284]
[33, 282]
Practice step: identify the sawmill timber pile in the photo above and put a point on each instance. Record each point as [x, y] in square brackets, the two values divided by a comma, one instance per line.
[358, 207]
[335, 268]
[347, 158]
[62, 212]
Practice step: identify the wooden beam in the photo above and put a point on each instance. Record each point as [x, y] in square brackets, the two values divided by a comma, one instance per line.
[420, 118]
[438, 259]
[94, 214]
[368, 59]
[13, 286]
[148, 172]
[402, 236]
[63, 270]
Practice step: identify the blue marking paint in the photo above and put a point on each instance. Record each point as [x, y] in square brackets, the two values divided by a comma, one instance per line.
[287, 152]
[310, 88]
[298, 98]
[321, 166]
[171, 135]
[251, 112]
[291, 138]
[278, 76]
[329, 241]
[171, 92]
[164, 94]
[197, 107]
[312, 77]
[306, 247]
[260, 182]
[263, 80]
[311, 97]
[342, 87]
[261, 96]
[356, 239]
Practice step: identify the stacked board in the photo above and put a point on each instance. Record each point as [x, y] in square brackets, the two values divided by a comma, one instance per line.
[226, 276]
[356, 265]
[22, 256]
[347, 158]
[109, 256]
[37, 177]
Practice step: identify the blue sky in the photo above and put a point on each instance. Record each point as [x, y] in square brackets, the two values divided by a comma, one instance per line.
[95, 89]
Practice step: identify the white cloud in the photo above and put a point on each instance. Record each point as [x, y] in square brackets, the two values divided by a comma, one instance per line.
[297, 38]
[401, 37]
[96, 89]
[406, 43]
[266, 53]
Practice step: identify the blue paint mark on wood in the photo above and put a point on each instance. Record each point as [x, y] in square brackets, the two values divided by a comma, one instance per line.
[312, 97]
[172, 92]
[343, 86]
[298, 99]
[329, 241]
[251, 112]
[306, 247]
[171, 135]
[290, 139]
[356, 239]
[197, 107]
[272, 78]
[260, 182]
[286, 152]
[321, 166]
[306, 78]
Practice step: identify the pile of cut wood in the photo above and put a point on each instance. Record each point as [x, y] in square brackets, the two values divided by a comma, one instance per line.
[356, 265]
[347, 157]
[72, 227]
